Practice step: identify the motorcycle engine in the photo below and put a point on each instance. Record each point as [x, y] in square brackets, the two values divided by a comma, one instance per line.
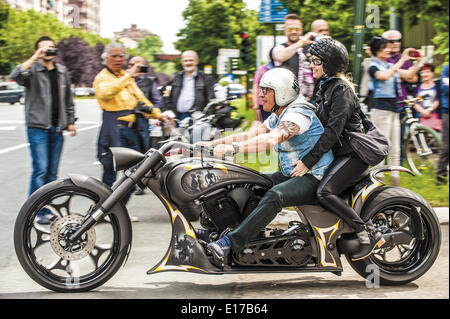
[227, 208]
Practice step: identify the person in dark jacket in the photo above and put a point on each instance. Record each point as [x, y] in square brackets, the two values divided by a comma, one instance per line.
[49, 109]
[339, 112]
[191, 89]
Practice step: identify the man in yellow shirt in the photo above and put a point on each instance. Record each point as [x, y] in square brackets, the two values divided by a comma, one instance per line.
[118, 96]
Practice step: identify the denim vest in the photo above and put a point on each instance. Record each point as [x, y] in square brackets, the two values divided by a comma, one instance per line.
[385, 89]
[299, 145]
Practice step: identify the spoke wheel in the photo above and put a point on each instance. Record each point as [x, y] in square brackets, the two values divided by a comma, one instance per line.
[49, 257]
[392, 210]
[401, 258]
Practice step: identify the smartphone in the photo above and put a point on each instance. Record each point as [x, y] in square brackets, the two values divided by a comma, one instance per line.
[51, 52]
[143, 69]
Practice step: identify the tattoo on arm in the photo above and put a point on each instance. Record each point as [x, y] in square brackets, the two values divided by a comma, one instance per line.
[288, 130]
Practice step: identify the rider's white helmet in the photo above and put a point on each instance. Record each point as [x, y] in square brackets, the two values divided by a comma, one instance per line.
[283, 82]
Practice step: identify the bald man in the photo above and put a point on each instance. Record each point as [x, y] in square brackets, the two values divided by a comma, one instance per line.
[321, 27]
[191, 88]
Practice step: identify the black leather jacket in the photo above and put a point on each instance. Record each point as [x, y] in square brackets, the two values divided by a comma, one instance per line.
[204, 90]
[338, 111]
[38, 101]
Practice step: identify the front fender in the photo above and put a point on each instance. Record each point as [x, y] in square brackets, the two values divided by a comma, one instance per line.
[119, 211]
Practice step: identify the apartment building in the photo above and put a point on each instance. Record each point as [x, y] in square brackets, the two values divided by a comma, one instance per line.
[84, 14]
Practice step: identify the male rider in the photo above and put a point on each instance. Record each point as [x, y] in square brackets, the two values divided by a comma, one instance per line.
[292, 129]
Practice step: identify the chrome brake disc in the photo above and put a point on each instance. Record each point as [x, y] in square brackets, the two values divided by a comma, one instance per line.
[61, 229]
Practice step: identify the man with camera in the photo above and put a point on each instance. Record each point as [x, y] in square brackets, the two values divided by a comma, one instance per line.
[120, 99]
[291, 54]
[49, 109]
[149, 86]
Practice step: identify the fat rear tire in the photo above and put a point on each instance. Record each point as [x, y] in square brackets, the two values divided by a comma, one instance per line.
[422, 255]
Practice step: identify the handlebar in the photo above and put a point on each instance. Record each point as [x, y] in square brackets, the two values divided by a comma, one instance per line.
[191, 147]
[412, 101]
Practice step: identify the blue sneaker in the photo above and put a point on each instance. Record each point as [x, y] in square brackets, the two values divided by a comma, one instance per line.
[220, 248]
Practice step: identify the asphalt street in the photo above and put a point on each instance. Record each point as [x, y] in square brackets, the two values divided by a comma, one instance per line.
[151, 236]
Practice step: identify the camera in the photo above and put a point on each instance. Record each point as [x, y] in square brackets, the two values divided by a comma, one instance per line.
[143, 69]
[51, 52]
[415, 54]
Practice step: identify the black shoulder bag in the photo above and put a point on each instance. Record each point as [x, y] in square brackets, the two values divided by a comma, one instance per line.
[372, 146]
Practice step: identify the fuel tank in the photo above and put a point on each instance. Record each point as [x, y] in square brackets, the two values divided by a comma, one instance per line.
[188, 179]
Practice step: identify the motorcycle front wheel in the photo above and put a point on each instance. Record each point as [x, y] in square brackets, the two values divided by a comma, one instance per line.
[44, 251]
[391, 210]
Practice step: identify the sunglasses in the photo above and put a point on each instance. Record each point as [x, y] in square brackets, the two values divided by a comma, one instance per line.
[264, 90]
[315, 61]
[395, 40]
[293, 29]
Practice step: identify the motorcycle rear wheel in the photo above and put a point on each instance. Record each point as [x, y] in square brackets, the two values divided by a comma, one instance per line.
[44, 251]
[400, 264]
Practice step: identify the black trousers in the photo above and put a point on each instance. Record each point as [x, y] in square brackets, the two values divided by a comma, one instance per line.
[341, 174]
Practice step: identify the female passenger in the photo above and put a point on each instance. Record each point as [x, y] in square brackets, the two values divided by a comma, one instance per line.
[339, 111]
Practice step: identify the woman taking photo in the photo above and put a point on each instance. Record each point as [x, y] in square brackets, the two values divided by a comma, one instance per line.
[385, 112]
[339, 112]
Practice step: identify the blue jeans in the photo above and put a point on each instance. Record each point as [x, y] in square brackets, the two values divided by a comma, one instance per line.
[45, 149]
[143, 132]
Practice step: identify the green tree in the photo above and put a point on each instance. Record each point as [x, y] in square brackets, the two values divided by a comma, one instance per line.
[147, 48]
[205, 33]
[21, 29]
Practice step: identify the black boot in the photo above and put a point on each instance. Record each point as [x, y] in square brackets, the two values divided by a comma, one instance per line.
[369, 240]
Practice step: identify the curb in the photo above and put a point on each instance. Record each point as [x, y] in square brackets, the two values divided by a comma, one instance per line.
[285, 216]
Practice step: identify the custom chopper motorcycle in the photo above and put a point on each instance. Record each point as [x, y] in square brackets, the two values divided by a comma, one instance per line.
[91, 237]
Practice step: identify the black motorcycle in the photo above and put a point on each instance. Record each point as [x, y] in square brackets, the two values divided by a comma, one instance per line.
[91, 237]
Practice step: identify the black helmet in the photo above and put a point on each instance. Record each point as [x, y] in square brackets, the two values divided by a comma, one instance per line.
[332, 53]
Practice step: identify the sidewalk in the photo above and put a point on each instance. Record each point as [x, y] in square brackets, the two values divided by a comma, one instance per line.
[285, 216]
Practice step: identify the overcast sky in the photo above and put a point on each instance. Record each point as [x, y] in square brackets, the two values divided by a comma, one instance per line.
[161, 17]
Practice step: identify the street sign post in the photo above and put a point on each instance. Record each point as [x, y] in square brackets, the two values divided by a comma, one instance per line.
[224, 58]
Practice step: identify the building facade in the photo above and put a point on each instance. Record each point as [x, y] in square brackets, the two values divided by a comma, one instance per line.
[131, 36]
[55, 7]
[84, 14]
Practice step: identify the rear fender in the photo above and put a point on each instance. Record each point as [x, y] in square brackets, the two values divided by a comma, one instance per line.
[119, 210]
[373, 185]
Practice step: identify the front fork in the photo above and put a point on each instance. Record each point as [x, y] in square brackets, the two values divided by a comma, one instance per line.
[132, 177]
[419, 141]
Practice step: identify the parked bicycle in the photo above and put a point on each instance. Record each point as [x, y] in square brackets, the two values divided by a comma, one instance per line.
[422, 142]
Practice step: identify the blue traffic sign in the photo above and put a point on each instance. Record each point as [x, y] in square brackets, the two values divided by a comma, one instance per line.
[272, 11]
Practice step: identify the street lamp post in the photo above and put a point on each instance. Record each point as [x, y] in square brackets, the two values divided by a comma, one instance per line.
[358, 40]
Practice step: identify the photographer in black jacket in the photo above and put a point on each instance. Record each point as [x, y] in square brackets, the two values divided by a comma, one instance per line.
[191, 89]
